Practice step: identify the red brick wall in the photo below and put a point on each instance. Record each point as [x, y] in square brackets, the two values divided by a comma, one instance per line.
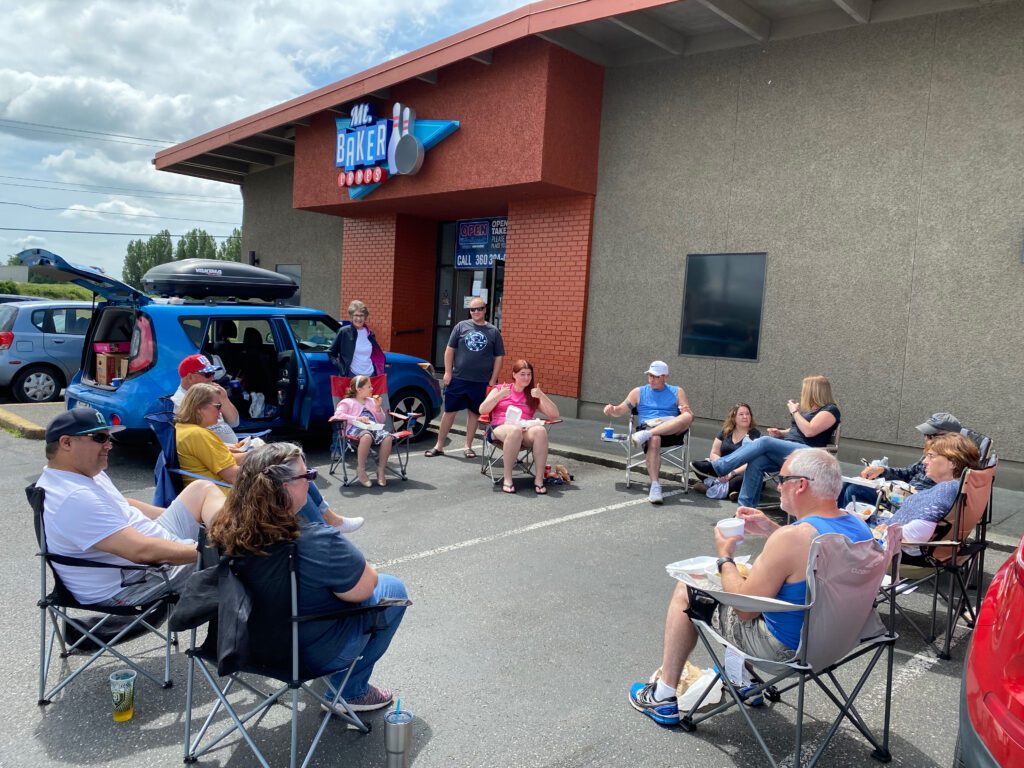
[547, 270]
[390, 263]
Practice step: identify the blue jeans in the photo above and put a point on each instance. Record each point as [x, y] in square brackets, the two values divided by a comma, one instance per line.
[311, 509]
[370, 648]
[851, 492]
[766, 454]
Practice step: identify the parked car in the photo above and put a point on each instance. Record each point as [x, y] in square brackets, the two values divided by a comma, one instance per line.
[41, 346]
[992, 691]
[134, 344]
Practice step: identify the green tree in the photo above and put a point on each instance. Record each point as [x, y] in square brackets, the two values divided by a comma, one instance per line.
[14, 261]
[196, 244]
[143, 256]
[231, 248]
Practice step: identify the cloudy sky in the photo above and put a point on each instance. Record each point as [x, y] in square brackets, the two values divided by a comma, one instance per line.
[90, 90]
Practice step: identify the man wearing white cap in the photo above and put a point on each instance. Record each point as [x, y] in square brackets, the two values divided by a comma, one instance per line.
[664, 414]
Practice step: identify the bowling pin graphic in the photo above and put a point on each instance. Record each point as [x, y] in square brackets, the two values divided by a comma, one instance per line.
[396, 134]
[409, 152]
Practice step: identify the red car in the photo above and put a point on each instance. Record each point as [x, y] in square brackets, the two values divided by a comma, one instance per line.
[992, 693]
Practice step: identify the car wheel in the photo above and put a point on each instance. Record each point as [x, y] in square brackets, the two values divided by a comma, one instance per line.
[37, 384]
[414, 401]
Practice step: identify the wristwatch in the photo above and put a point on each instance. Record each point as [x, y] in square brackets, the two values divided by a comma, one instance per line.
[722, 561]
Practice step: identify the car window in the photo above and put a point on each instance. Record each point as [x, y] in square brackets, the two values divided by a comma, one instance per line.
[7, 316]
[73, 321]
[314, 334]
[43, 320]
[195, 329]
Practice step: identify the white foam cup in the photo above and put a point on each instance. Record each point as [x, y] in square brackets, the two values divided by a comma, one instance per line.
[731, 526]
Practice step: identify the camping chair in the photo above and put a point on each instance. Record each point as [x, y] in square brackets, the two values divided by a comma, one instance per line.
[840, 625]
[492, 455]
[677, 456]
[342, 446]
[167, 475]
[271, 584]
[957, 554]
[91, 633]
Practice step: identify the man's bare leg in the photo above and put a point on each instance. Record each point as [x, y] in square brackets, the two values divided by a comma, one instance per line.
[680, 637]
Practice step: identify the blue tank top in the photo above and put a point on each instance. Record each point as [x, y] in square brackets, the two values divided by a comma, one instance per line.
[658, 403]
[787, 625]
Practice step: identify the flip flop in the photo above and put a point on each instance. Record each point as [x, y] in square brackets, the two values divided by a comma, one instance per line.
[432, 452]
[469, 453]
[509, 488]
[540, 490]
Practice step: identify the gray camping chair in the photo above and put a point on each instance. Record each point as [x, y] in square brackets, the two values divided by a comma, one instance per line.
[840, 625]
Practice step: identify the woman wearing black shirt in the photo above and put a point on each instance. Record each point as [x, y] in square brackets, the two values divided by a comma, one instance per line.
[739, 426]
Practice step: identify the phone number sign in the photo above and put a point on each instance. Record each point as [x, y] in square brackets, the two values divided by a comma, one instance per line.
[480, 242]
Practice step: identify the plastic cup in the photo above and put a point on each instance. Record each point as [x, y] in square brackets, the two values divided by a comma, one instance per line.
[731, 526]
[122, 691]
[609, 433]
[397, 738]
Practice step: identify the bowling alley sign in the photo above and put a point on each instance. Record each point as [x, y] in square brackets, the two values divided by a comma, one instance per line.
[370, 150]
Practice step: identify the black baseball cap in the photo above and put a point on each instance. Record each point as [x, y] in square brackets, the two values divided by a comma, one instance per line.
[78, 421]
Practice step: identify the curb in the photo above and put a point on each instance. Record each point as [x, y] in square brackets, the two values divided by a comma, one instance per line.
[23, 427]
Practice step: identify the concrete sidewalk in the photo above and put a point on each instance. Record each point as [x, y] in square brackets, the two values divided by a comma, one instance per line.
[573, 439]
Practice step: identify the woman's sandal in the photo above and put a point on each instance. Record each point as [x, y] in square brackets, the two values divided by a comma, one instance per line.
[469, 453]
[432, 452]
[508, 488]
[540, 490]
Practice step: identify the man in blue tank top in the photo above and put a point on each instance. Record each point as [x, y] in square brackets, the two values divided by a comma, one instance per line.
[808, 482]
[664, 416]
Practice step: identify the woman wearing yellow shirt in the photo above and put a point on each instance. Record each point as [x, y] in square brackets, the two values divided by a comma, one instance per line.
[200, 450]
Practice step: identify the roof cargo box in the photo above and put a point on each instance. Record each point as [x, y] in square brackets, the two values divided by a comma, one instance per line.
[204, 278]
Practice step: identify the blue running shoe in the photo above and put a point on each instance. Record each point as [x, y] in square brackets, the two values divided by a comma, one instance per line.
[753, 701]
[661, 711]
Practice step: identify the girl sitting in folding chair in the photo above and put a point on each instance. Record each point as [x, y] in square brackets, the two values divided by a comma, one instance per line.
[366, 423]
[512, 430]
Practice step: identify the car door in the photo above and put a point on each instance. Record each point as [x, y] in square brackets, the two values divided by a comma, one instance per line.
[314, 334]
[63, 331]
[299, 384]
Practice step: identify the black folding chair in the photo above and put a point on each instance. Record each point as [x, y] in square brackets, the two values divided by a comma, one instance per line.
[58, 603]
[272, 584]
[840, 625]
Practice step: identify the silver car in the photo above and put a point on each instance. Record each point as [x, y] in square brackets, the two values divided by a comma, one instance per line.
[41, 346]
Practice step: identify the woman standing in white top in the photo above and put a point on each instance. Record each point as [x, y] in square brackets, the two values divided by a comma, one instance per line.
[355, 350]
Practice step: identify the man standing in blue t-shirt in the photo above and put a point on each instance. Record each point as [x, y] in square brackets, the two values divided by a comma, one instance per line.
[809, 482]
[664, 414]
[472, 361]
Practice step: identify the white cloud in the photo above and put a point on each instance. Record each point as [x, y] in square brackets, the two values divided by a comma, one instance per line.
[115, 207]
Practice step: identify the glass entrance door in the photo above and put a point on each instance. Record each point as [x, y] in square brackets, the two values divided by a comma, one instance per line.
[455, 289]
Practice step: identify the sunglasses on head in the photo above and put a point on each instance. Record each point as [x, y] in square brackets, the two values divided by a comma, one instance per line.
[309, 474]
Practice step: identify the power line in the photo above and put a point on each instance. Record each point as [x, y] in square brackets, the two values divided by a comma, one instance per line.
[118, 213]
[68, 134]
[114, 234]
[129, 194]
[83, 130]
[118, 189]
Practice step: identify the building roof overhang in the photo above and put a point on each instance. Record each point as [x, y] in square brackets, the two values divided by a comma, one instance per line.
[611, 33]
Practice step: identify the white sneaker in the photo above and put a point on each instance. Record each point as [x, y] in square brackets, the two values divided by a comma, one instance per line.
[655, 495]
[350, 524]
[641, 437]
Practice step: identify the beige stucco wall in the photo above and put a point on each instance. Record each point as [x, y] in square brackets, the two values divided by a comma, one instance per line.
[880, 167]
[282, 235]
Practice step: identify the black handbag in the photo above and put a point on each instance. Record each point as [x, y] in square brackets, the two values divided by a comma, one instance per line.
[198, 601]
[232, 621]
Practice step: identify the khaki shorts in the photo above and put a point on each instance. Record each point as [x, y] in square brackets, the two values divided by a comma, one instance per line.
[752, 637]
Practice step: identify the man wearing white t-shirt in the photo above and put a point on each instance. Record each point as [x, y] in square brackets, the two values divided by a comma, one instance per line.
[85, 516]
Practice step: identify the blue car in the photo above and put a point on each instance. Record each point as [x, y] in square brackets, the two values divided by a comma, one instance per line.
[274, 355]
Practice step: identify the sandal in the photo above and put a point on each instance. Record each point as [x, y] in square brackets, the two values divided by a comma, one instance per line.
[508, 488]
[432, 452]
[540, 490]
[469, 453]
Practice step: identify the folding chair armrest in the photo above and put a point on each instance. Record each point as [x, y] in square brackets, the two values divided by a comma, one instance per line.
[80, 562]
[261, 433]
[391, 602]
[548, 422]
[185, 472]
[397, 415]
[750, 603]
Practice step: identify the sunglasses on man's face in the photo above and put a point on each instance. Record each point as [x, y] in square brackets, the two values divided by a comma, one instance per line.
[477, 309]
[98, 437]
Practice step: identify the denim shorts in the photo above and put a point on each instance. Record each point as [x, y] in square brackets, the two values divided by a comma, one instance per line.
[462, 394]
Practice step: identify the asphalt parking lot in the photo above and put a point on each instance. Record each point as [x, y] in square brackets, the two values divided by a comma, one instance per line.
[531, 617]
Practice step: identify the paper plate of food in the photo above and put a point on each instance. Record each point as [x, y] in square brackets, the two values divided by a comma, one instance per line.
[695, 570]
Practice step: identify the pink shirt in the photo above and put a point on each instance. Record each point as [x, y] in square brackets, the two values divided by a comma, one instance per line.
[517, 399]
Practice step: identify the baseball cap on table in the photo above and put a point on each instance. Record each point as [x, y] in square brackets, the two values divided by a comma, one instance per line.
[78, 421]
[658, 368]
[196, 364]
[940, 422]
